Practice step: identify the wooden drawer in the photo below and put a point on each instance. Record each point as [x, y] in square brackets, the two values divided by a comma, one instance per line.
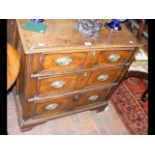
[104, 76]
[53, 85]
[57, 85]
[91, 97]
[51, 106]
[63, 62]
[112, 58]
[58, 105]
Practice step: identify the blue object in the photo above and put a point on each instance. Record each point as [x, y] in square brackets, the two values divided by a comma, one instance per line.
[115, 24]
[35, 27]
[38, 20]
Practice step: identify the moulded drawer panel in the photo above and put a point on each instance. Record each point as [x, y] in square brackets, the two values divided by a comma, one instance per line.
[56, 85]
[51, 106]
[63, 62]
[104, 77]
[92, 97]
[110, 58]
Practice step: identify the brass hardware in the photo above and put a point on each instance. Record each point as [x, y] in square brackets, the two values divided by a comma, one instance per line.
[93, 98]
[58, 84]
[64, 61]
[85, 74]
[103, 77]
[93, 53]
[114, 57]
[51, 106]
[76, 96]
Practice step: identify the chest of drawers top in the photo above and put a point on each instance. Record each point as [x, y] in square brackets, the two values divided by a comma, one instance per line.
[64, 35]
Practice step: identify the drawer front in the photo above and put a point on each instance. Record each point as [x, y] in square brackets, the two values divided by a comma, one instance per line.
[56, 85]
[51, 106]
[104, 77]
[63, 62]
[91, 97]
[112, 58]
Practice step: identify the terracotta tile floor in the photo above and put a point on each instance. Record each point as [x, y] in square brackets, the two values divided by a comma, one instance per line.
[85, 123]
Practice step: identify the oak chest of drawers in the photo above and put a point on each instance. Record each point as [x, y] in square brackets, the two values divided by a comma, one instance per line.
[63, 73]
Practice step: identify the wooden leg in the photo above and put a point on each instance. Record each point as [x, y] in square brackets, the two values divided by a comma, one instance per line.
[102, 108]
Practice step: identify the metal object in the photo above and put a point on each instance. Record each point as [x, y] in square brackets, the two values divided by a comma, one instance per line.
[93, 53]
[51, 106]
[58, 84]
[85, 74]
[76, 97]
[63, 61]
[103, 77]
[93, 98]
[114, 57]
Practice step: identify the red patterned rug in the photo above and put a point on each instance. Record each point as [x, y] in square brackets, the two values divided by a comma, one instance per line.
[132, 110]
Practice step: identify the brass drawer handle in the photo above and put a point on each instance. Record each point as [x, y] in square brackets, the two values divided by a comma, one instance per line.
[64, 61]
[93, 98]
[103, 77]
[76, 97]
[93, 53]
[58, 84]
[51, 106]
[114, 57]
[85, 74]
